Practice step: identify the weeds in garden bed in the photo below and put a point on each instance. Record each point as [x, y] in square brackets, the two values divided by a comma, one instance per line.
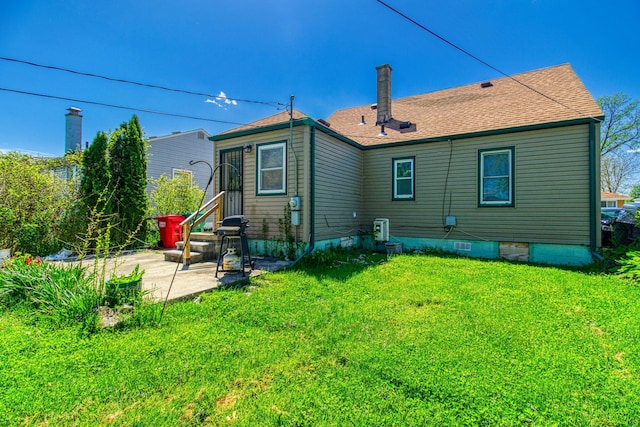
[63, 295]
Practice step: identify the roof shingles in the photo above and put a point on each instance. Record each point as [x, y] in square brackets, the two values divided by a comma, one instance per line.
[268, 121]
[509, 103]
[471, 108]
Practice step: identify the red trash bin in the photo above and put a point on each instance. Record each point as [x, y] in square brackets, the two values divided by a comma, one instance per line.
[170, 230]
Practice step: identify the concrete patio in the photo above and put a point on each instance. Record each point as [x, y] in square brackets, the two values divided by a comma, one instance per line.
[188, 282]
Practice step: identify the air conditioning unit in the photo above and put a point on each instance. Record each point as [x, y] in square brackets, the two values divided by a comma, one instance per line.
[381, 229]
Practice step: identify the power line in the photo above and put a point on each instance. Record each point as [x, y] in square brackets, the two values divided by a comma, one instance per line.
[113, 79]
[141, 110]
[413, 21]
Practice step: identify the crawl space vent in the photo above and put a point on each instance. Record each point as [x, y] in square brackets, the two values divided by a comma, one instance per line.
[462, 246]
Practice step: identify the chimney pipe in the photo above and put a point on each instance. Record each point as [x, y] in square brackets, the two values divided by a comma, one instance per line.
[73, 130]
[384, 93]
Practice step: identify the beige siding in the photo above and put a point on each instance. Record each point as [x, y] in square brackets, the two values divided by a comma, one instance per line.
[551, 193]
[338, 188]
[265, 213]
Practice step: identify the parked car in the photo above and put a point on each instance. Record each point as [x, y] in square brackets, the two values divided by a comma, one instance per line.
[619, 225]
[607, 217]
[631, 207]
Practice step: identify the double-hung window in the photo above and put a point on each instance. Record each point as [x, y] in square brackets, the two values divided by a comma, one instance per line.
[404, 182]
[272, 165]
[496, 177]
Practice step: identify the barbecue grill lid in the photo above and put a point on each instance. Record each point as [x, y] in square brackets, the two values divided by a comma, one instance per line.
[234, 221]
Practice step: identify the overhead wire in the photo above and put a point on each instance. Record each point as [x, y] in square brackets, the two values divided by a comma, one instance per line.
[131, 82]
[278, 105]
[455, 46]
[103, 104]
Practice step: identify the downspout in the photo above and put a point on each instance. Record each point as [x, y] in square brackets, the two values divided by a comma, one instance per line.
[312, 195]
[312, 190]
[593, 184]
[295, 158]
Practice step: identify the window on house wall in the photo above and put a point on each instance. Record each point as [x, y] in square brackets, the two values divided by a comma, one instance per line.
[496, 177]
[404, 178]
[182, 172]
[272, 163]
[608, 204]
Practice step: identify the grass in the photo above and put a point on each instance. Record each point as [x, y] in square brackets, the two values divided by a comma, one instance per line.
[419, 340]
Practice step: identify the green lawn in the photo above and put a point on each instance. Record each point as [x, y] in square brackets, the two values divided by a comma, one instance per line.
[419, 340]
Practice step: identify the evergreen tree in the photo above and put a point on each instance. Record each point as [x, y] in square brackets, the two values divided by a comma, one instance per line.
[94, 183]
[128, 164]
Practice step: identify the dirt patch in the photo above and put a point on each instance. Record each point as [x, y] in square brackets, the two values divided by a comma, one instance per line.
[109, 317]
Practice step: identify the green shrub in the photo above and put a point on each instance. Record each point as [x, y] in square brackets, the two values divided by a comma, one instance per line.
[62, 294]
[629, 267]
[70, 295]
[176, 195]
[34, 196]
[36, 238]
[128, 185]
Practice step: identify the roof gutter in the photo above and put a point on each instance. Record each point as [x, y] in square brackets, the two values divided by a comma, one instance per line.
[492, 132]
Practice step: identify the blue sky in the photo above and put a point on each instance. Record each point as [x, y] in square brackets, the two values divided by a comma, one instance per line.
[324, 52]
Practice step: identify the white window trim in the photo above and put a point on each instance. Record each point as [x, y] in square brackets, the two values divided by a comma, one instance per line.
[283, 187]
[175, 172]
[397, 196]
[510, 202]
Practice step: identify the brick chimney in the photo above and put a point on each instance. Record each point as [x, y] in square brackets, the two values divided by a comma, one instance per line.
[73, 130]
[384, 93]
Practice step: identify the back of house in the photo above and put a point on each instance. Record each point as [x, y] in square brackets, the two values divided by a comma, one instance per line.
[503, 168]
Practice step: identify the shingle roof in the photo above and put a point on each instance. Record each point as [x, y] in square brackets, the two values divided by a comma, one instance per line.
[465, 109]
[612, 196]
[267, 121]
[471, 108]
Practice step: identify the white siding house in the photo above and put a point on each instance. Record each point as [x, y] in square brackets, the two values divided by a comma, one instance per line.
[170, 155]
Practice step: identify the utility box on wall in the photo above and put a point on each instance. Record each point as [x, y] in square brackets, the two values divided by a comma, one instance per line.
[381, 229]
[296, 205]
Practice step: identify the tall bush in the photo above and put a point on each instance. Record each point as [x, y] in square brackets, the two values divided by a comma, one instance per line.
[128, 165]
[95, 174]
[35, 196]
[176, 195]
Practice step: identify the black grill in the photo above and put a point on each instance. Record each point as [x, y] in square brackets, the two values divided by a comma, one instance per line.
[235, 220]
[233, 228]
[235, 225]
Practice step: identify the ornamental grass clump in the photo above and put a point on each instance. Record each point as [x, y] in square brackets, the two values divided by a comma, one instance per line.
[61, 293]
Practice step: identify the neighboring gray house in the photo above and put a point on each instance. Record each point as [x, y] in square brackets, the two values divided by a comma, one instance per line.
[468, 170]
[170, 155]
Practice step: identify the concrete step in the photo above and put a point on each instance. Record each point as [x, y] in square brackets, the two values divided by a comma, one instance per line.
[205, 237]
[173, 255]
[209, 250]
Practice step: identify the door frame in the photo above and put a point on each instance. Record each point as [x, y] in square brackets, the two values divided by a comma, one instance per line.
[231, 166]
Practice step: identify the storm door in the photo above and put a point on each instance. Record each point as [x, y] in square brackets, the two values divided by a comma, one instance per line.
[231, 180]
